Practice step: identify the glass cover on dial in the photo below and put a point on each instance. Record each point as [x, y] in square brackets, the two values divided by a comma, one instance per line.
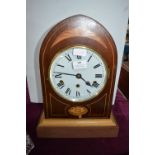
[78, 74]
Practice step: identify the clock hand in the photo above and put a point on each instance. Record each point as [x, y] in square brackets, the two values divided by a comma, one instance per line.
[86, 82]
[79, 76]
[65, 73]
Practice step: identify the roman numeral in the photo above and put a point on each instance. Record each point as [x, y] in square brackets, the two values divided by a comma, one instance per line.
[77, 93]
[79, 57]
[68, 57]
[96, 66]
[58, 76]
[60, 84]
[89, 58]
[95, 84]
[68, 91]
[60, 65]
[88, 91]
[98, 75]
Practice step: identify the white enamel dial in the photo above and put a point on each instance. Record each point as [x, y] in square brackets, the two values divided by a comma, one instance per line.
[78, 74]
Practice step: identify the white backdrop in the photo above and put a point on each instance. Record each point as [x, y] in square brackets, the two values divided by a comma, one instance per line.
[43, 14]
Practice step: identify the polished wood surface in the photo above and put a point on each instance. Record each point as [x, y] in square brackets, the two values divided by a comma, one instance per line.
[77, 128]
[84, 31]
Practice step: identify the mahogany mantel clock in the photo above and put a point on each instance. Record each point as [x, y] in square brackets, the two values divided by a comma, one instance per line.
[78, 61]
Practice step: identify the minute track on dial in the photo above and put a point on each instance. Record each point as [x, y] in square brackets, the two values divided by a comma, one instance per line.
[84, 77]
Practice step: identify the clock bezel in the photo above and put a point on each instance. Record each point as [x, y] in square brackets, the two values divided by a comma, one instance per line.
[78, 46]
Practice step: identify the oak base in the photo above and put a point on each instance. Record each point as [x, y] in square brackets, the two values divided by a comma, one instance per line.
[77, 128]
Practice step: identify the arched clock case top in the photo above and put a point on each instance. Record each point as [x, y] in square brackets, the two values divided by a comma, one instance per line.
[76, 31]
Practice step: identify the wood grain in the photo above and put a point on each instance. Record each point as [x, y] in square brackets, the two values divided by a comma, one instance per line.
[77, 32]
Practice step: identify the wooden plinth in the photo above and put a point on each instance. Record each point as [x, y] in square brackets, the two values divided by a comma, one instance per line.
[77, 128]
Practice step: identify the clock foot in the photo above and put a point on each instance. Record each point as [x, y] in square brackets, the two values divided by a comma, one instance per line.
[77, 128]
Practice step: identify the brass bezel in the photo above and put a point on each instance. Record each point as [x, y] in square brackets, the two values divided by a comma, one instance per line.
[85, 47]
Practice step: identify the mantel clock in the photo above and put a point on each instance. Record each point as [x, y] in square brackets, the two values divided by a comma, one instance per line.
[78, 60]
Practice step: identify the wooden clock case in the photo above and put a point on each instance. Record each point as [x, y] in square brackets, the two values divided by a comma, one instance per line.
[55, 121]
[84, 31]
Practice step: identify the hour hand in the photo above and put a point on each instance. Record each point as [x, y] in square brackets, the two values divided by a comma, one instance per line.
[88, 83]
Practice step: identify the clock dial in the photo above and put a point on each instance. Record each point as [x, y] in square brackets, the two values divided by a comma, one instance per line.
[78, 74]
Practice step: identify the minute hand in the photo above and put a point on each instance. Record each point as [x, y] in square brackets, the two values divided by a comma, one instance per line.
[65, 73]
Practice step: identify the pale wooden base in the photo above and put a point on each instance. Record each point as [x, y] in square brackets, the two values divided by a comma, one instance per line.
[77, 128]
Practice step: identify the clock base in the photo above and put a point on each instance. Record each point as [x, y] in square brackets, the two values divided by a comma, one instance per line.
[77, 128]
